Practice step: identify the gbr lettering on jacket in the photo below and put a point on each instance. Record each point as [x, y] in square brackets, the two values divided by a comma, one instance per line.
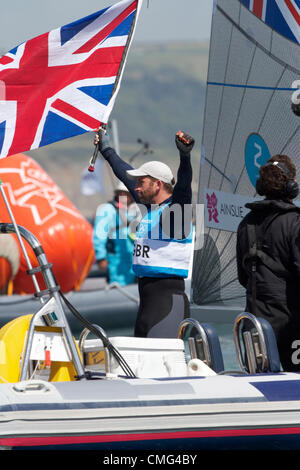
[141, 250]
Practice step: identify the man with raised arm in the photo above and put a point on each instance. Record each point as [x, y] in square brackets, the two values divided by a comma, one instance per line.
[163, 241]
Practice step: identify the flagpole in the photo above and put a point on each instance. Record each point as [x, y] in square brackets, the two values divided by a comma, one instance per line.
[35, 282]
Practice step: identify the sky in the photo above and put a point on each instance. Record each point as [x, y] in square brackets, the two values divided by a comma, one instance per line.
[160, 20]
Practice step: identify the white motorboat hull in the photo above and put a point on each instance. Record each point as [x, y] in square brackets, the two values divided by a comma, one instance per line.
[216, 412]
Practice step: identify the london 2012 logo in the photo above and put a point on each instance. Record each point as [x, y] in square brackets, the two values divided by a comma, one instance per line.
[211, 204]
[256, 155]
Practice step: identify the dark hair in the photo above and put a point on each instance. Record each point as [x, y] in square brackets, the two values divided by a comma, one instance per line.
[273, 179]
[168, 187]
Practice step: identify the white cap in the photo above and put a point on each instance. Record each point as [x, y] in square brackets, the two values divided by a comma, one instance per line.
[121, 187]
[157, 170]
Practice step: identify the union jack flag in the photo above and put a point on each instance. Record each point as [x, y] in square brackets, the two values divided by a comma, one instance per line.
[281, 15]
[64, 82]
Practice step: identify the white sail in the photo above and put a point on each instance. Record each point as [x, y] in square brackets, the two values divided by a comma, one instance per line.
[253, 70]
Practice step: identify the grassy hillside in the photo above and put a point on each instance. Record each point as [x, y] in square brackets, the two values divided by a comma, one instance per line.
[163, 90]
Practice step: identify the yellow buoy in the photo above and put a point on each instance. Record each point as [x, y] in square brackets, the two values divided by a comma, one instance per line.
[13, 337]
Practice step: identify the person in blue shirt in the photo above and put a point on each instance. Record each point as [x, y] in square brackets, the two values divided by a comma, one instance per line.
[163, 242]
[112, 238]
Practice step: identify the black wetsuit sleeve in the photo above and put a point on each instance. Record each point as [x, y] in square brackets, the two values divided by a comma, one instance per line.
[177, 221]
[119, 168]
[182, 193]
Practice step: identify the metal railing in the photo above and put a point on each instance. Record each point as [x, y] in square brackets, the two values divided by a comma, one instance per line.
[255, 356]
[199, 347]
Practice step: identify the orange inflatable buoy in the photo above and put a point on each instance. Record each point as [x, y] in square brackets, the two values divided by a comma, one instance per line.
[41, 207]
[5, 273]
[9, 262]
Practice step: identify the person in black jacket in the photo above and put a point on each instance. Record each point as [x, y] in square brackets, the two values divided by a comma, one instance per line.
[275, 292]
